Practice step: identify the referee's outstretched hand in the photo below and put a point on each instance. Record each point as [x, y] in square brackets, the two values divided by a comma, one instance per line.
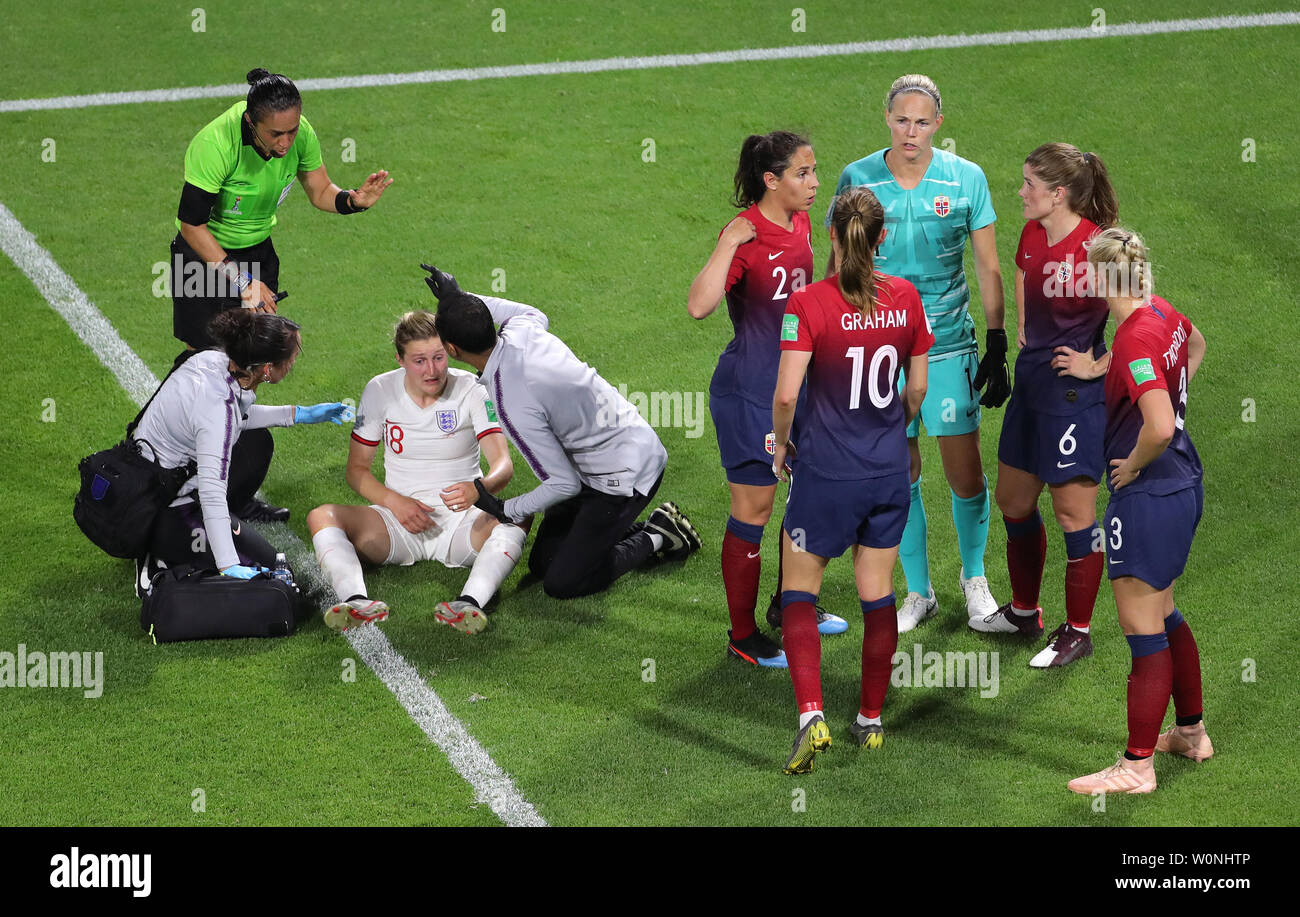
[372, 189]
[440, 283]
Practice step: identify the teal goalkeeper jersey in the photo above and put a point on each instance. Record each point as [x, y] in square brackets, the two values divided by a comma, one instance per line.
[925, 236]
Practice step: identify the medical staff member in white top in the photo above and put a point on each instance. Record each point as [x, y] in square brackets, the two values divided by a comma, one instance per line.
[598, 461]
[198, 413]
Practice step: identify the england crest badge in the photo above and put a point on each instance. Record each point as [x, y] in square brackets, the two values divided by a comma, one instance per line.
[447, 421]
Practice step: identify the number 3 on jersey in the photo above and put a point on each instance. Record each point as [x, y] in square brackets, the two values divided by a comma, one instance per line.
[878, 398]
[394, 437]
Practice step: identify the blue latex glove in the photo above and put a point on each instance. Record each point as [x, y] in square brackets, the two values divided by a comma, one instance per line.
[239, 571]
[333, 411]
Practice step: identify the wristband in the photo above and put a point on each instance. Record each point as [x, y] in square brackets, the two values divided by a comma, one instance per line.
[343, 203]
[241, 280]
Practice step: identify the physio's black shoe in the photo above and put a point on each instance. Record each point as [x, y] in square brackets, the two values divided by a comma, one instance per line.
[256, 510]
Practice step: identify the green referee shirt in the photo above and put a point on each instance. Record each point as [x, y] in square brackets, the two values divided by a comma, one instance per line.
[222, 159]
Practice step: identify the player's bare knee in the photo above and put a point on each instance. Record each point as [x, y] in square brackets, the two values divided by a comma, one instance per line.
[1011, 503]
[1073, 520]
[322, 517]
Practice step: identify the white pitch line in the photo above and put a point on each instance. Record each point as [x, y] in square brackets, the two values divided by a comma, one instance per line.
[490, 783]
[886, 46]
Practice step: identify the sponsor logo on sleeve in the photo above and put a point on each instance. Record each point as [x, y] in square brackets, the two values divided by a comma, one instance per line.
[1142, 371]
[491, 411]
[790, 328]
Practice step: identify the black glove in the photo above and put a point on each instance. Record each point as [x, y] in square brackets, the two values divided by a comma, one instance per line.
[488, 502]
[993, 370]
[440, 283]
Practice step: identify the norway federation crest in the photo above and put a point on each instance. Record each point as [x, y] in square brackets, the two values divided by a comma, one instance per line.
[1064, 271]
[769, 443]
[942, 206]
[447, 421]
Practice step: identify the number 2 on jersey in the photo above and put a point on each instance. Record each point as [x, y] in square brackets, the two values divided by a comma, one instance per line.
[878, 398]
[797, 281]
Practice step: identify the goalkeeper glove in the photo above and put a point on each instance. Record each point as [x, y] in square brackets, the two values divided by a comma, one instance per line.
[333, 411]
[441, 284]
[489, 502]
[993, 370]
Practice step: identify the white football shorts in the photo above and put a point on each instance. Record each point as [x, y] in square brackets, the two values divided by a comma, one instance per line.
[447, 541]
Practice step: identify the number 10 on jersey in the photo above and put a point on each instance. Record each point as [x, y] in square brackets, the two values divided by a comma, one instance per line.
[878, 398]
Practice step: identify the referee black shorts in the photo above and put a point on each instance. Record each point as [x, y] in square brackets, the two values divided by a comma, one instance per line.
[198, 294]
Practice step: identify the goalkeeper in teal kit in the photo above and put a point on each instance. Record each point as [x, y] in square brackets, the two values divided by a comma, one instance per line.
[933, 201]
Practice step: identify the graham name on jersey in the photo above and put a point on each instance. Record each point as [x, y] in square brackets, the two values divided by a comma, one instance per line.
[882, 318]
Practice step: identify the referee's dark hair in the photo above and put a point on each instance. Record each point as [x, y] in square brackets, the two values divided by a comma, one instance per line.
[270, 92]
[464, 321]
[252, 338]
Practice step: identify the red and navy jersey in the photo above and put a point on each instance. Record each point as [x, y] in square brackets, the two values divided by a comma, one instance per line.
[1059, 311]
[852, 425]
[764, 272]
[1149, 353]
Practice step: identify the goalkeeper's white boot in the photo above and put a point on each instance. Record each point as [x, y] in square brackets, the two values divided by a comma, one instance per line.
[916, 608]
[979, 601]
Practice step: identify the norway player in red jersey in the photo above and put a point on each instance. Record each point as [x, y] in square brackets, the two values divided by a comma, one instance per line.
[762, 256]
[1053, 428]
[1155, 506]
[850, 334]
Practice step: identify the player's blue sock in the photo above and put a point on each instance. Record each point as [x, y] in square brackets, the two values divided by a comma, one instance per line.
[912, 549]
[970, 516]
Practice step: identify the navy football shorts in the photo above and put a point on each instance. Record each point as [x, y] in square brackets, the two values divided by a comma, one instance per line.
[825, 516]
[1055, 448]
[745, 440]
[1149, 536]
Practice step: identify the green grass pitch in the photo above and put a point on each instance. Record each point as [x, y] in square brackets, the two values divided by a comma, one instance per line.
[543, 180]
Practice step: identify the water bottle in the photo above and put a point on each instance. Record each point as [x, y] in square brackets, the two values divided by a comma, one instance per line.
[282, 571]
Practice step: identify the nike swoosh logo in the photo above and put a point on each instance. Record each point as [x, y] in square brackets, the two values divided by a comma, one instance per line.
[1117, 561]
[1067, 465]
[755, 554]
[777, 255]
[970, 412]
[235, 531]
[1027, 257]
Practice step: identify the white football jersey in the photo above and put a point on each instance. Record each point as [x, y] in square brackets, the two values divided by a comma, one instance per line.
[426, 449]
